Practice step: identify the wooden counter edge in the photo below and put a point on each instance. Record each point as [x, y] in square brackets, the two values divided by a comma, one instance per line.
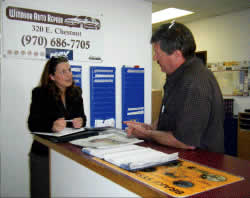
[123, 180]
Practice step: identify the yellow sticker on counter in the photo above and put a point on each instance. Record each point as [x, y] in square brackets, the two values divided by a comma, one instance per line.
[180, 178]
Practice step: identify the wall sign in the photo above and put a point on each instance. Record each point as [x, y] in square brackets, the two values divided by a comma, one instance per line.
[59, 52]
[30, 33]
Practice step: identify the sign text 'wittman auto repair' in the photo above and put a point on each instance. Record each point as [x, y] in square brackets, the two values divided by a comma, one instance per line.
[37, 34]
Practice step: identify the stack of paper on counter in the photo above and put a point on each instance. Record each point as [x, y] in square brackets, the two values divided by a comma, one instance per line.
[100, 153]
[106, 141]
[132, 157]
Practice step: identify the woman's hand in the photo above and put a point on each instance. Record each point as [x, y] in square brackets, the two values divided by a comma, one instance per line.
[77, 122]
[59, 125]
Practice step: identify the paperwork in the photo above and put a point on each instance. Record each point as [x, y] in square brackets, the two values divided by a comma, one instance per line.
[113, 145]
[132, 157]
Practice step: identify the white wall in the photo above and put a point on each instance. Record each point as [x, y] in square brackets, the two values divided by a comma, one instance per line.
[127, 32]
[225, 38]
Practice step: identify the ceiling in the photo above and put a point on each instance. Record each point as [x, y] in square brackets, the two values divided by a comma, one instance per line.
[202, 8]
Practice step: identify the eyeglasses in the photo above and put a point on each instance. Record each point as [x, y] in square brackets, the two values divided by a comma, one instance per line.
[64, 72]
[171, 25]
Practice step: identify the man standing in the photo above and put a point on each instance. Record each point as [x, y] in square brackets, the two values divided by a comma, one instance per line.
[192, 113]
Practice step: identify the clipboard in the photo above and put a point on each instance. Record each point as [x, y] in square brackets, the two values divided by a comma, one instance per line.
[69, 137]
[74, 135]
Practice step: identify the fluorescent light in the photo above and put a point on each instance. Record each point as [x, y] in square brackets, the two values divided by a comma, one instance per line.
[169, 13]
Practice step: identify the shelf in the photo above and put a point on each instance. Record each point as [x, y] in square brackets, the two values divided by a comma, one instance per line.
[230, 70]
[234, 95]
[245, 118]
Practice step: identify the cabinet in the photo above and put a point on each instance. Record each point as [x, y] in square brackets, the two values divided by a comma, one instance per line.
[244, 136]
[156, 103]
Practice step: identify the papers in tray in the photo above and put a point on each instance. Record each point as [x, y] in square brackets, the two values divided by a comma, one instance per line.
[69, 134]
[69, 131]
[66, 131]
[106, 141]
[66, 135]
[132, 157]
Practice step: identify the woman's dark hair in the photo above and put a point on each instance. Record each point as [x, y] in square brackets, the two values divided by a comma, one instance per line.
[175, 36]
[46, 82]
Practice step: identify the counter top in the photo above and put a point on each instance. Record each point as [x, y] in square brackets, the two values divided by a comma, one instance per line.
[213, 160]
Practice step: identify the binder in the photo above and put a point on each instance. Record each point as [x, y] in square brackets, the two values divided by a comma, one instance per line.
[132, 95]
[102, 94]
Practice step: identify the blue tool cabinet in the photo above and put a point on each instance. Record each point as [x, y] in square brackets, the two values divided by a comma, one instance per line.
[132, 95]
[102, 94]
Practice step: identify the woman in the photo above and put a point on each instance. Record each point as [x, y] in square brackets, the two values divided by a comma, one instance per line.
[55, 101]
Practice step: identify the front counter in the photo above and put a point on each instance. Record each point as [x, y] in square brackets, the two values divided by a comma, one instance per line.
[213, 174]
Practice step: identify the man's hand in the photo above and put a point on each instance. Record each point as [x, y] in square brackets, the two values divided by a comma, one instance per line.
[145, 131]
[139, 130]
